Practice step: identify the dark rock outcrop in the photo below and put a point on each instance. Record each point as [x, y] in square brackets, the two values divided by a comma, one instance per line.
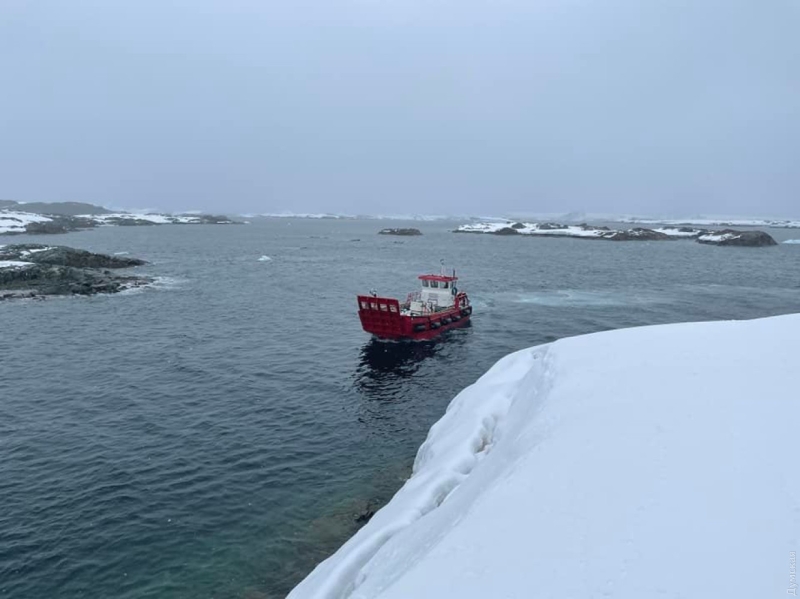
[637, 234]
[59, 255]
[737, 238]
[405, 232]
[60, 224]
[216, 219]
[129, 222]
[39, 270]
[553, 226]
[507, 231]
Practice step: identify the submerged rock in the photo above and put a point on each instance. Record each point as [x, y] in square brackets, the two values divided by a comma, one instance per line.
[737, 238]
[407, 232]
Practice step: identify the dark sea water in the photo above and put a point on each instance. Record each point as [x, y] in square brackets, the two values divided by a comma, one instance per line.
[218, 434]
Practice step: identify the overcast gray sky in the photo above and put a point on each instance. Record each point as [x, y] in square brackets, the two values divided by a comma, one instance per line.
[397, 106]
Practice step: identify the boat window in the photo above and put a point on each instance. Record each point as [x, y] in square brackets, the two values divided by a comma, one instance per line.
[435, 284]
[373, 306]
[384, 308]
[392, 308]
[444, 285]
[364, 305]
[424, 282]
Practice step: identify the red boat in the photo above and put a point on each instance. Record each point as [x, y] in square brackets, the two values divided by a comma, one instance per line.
[439, 306]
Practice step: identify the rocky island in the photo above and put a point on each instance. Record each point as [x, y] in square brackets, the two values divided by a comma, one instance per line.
[404, 232]
[62, 217]
[738, 238]
[33, 270]
[585, 231]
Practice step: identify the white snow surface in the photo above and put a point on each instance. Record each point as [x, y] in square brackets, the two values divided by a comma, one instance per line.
[14, 264]
[12, 221]
[648, 462]
[677, 232]
[716, 238]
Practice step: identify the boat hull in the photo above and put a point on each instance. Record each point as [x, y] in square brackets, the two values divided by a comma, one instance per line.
[381, 316]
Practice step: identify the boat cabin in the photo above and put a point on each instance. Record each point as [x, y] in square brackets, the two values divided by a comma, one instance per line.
[438, 293]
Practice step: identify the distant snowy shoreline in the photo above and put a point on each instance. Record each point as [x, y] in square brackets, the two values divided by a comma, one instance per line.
[15, 222]
[702, 222]
[583, 231]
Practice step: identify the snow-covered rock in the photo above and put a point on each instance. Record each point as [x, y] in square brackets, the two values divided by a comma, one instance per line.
[13, 221]
[738, 238]
[582, 231]
[15, 264]
[638, 463]
[125, 218]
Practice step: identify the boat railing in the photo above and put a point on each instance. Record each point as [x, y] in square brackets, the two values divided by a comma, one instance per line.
[414, 296]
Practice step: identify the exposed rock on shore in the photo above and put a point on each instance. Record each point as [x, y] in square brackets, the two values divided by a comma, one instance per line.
[737, 238]
[32, 270]
[406, 232]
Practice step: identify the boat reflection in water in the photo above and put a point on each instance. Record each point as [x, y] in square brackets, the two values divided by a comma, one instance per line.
[399, 359]
[386, 370]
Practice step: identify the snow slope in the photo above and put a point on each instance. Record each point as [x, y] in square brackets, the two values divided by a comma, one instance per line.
[15, 264]
[12, 221]
[648, 462]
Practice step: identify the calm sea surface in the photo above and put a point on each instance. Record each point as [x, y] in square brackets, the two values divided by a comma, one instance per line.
[219, 434]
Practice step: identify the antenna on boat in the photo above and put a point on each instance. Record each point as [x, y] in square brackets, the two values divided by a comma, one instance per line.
[442, 263]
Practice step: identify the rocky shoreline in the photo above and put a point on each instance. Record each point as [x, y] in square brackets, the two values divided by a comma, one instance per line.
[34, 271]
[726, 237]
[53, 218]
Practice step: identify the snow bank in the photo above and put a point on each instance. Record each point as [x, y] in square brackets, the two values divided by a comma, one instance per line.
[716, 238]
[649, 462]
[14, 264]
[678, 232]
[12, 221]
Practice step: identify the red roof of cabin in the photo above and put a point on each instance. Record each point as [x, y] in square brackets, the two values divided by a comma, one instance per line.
[439, 278]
